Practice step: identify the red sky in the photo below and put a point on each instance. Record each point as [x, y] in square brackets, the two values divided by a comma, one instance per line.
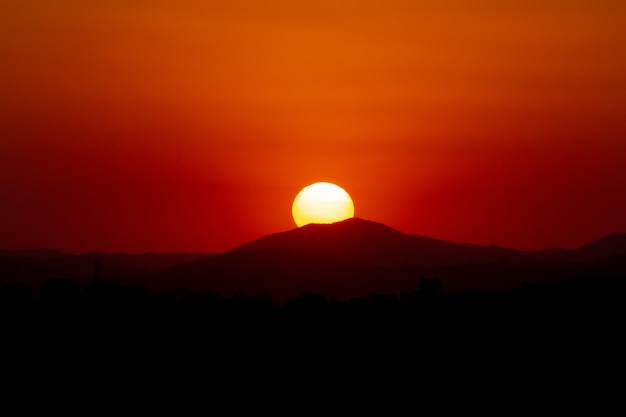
[136, 126]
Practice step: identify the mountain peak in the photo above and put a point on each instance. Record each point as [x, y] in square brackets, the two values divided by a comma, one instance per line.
[355, 239]
[354, 224]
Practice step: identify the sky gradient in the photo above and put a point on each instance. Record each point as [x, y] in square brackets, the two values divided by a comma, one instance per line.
[191, 125]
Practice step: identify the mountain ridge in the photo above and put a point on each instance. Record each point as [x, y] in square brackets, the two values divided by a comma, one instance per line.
[376, 244]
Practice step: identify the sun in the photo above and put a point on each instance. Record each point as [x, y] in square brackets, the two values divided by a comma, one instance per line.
[322, 202]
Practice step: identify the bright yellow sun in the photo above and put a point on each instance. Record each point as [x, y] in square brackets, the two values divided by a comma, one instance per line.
[322, 202]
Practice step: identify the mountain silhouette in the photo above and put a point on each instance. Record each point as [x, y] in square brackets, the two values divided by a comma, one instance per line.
[375, 244]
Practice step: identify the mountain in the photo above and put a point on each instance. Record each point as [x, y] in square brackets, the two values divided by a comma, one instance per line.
[375, 244]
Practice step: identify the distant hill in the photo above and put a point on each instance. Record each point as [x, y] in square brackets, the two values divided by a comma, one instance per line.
[375, 244]
[609, 246]
[33, 267]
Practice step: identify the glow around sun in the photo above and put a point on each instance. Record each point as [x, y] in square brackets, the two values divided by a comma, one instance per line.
[322, 202]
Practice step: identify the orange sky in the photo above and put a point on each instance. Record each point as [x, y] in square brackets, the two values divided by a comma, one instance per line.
[191, 125]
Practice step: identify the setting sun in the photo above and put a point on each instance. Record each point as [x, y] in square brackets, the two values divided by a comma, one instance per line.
[322, 202]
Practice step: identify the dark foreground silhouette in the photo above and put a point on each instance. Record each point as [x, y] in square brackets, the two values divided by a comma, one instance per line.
[550, 315]
[529, 343]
